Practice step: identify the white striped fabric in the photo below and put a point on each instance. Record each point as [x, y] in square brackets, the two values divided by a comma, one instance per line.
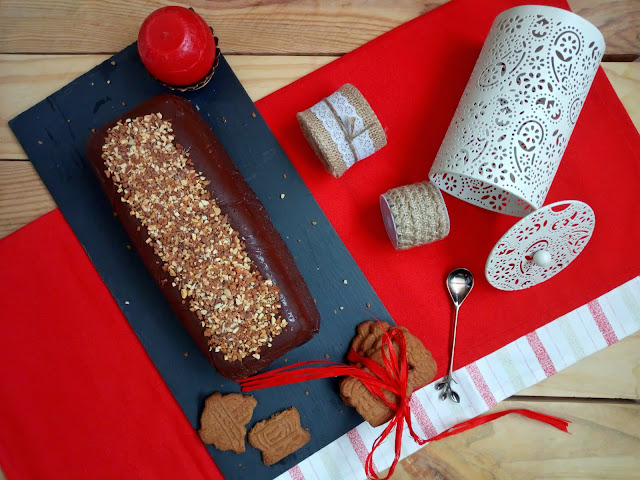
[483, 383]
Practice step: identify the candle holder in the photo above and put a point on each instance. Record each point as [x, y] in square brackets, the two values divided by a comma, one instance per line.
[509, 132]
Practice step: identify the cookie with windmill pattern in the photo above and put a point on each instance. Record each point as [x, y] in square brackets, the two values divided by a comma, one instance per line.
[224, 418]
[279, 436]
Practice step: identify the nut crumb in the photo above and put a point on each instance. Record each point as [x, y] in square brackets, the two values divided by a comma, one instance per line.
[341, 308]
[314, 223]
[113, 62]
[126, 302]
[224, 120]
[368, 304]
[253, 114]
[306, 392]
[108, 82]
[128, 247]
[326, 355]
[282, 195]
[39, 142]
[124, 104]
[345, 282]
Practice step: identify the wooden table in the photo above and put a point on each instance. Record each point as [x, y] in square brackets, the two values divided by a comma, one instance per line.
[44, 45]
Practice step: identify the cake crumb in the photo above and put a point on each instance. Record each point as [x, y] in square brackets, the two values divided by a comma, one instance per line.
[108, 82]
[314, 223]
[126, 302]
[306, 392]
[284, 175]
[113, 62]
[345, 281]
[186, 354]
[124, 104]
[282, 195]
[341, 308]
[93, 130]
[39, 142]
[253, 114]
[224, 120]
[299, 240]
[92, 84]
[128, 247]
[68, 120]
[326, 355]
[286, 359]
[340, 411]
[368, 304]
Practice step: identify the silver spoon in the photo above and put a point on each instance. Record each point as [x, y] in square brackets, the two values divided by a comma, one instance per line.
[459, 284]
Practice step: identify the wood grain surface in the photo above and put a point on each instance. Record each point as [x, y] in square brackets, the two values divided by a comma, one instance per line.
[304, 27]
[269, 43]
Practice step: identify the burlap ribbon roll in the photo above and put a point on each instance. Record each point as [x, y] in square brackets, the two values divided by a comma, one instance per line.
[342, 129]
[414, 215]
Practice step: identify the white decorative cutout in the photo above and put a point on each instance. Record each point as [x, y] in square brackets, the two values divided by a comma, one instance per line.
[555, 235]
[516, 115]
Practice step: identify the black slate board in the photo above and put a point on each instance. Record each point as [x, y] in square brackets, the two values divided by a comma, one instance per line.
[54, 132]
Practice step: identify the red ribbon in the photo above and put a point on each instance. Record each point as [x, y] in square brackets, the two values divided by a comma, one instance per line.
[393, 378]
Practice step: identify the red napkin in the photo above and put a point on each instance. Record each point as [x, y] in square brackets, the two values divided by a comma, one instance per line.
[413, 77]
[78, 395]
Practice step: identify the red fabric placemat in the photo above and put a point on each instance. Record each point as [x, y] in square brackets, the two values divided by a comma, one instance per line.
[413, 78]
[78, 395]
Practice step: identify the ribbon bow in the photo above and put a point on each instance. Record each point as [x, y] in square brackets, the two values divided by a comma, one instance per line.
[393, 378]
[348, 127]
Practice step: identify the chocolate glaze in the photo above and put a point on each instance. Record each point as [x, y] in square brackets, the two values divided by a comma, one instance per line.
[246, 214]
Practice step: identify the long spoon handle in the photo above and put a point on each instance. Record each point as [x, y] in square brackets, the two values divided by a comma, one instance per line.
[453, 341]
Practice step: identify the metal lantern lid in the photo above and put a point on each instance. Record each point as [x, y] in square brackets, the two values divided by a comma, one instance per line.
[540, 245]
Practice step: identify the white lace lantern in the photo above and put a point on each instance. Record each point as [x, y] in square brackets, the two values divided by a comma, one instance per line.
[509, 132]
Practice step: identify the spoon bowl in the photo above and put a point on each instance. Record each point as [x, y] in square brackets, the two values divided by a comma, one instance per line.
[459, 284]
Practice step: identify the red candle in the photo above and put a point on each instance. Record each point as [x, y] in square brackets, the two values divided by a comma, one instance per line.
[176, 46]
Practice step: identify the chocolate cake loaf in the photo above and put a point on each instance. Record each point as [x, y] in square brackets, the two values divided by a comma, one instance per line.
[204, 235]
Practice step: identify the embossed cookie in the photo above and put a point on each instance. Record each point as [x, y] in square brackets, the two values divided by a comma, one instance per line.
[279, 436]
[223, 420]
[368, 333]
[369, 343]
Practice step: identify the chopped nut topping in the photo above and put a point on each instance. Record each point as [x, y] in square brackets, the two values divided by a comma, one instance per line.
[237, 308]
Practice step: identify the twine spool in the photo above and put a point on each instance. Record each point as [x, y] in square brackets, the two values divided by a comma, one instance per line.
[342, 129]
[414, 215]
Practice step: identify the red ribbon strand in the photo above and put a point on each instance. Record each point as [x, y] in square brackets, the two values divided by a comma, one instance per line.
[392, 377]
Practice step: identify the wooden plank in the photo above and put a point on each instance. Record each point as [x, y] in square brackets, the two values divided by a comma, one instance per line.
[610, 373]
[27, 79]
[23, 196]
[604, 443]
[269, 27]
